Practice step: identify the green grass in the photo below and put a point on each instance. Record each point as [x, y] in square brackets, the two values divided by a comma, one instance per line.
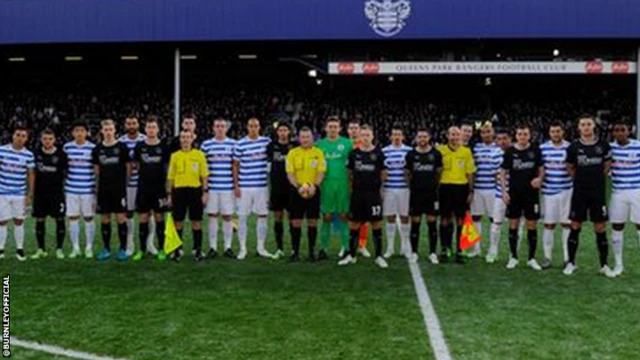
[260, 309]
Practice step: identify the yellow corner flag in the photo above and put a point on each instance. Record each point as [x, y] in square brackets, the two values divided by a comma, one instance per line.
[469, 235]
[171, 238]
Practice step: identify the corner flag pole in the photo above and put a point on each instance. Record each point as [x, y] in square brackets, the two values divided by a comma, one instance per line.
[176, 93]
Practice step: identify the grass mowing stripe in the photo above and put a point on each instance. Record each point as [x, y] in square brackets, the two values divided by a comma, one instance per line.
[55, 350]
[439, 345]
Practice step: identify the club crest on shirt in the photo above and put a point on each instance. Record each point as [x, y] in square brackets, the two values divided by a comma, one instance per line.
[194, 167]
[340, 147]
[429, 157]
[530, 154]
[598, 150]
[314, 164]
[461, 164]
[54, 159]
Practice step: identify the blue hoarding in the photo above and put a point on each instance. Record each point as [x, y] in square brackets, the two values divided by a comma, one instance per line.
[53, 21]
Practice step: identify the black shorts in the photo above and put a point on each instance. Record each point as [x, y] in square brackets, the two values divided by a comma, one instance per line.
[588, 202]
[524, 203]
[112, 201]
[423, 203]
[300, 208]
[147, 200]
[280, 197]
[365, 206]
[48, 205]
[453, 200]
[187, 199]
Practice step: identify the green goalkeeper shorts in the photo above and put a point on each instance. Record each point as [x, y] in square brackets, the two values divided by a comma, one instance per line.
[334, 197]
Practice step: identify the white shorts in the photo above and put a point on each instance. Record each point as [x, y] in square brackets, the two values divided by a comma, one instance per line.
[483, 202]
[499, 210]
[221, 202]
[253, 200]
[132, 192]
[12, 207]
[556, 208]
[395, 202]
[81, 205]
[625, 205]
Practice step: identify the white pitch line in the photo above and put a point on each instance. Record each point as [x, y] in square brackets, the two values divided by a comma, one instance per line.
[55, 350]
[438, 344]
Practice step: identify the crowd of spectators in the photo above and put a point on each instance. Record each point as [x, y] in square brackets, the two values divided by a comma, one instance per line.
[58, 107]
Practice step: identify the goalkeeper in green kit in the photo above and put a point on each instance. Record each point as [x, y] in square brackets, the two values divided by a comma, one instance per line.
[335, 192]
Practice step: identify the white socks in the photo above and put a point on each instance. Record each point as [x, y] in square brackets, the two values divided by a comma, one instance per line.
[18, 234]
[213, 232]
[618, 242]
[227, 231]
[3, 236]
[152, 232]
[129, 230]
[405, 233]
[89, 232]
[547, 243]
[391, 237]
[261, 230]
[565, 243]
[74, 234]
[495, 238]
[242, 232]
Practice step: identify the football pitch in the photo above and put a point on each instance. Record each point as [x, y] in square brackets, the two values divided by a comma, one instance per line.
[265, 309]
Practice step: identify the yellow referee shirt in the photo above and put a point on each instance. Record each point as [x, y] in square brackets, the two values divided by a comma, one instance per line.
[305, 164]
[456, 165]
[187, 168]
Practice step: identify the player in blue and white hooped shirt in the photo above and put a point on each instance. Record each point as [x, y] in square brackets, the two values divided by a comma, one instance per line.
[219, 152]
[485, 181]
[556, 192]
[131, 139]
[395, 201]
[80, 189]
[625, 195]
[503, 142]
[17, 179]
[250, 186]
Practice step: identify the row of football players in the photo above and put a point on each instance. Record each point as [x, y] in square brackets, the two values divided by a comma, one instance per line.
[222, 183]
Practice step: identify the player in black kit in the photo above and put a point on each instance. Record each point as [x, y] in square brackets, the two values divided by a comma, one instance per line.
[522, 166]
[423, 169]
[588, 161]
[188, 124]
[366, 172]
[51, 165]
[280, 188]
[113, 168]
[151, 157]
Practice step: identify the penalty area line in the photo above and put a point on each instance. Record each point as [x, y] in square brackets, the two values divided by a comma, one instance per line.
[56, 350]
[431, 322]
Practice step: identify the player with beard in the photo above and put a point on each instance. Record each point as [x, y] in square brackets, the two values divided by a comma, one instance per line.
[423, 171]
[188, 124]
[588, 161]
[556, 192]
[280, 191]
[131, 138]
[151, 158]
[112, 167]
[367, 174]
[221, 202]
[51, 165]
[485, 181]
[625, 197]
[353, 130]
[523, 164]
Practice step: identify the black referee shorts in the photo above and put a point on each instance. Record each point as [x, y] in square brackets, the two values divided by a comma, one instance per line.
[524, 203]
[187, 199]
[453, 200]
[300, 208]
[280, 197]
[592, 203]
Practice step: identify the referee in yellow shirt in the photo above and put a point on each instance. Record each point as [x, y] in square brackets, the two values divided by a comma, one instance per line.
[187, 190]
[306, 168]
[456, 189]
